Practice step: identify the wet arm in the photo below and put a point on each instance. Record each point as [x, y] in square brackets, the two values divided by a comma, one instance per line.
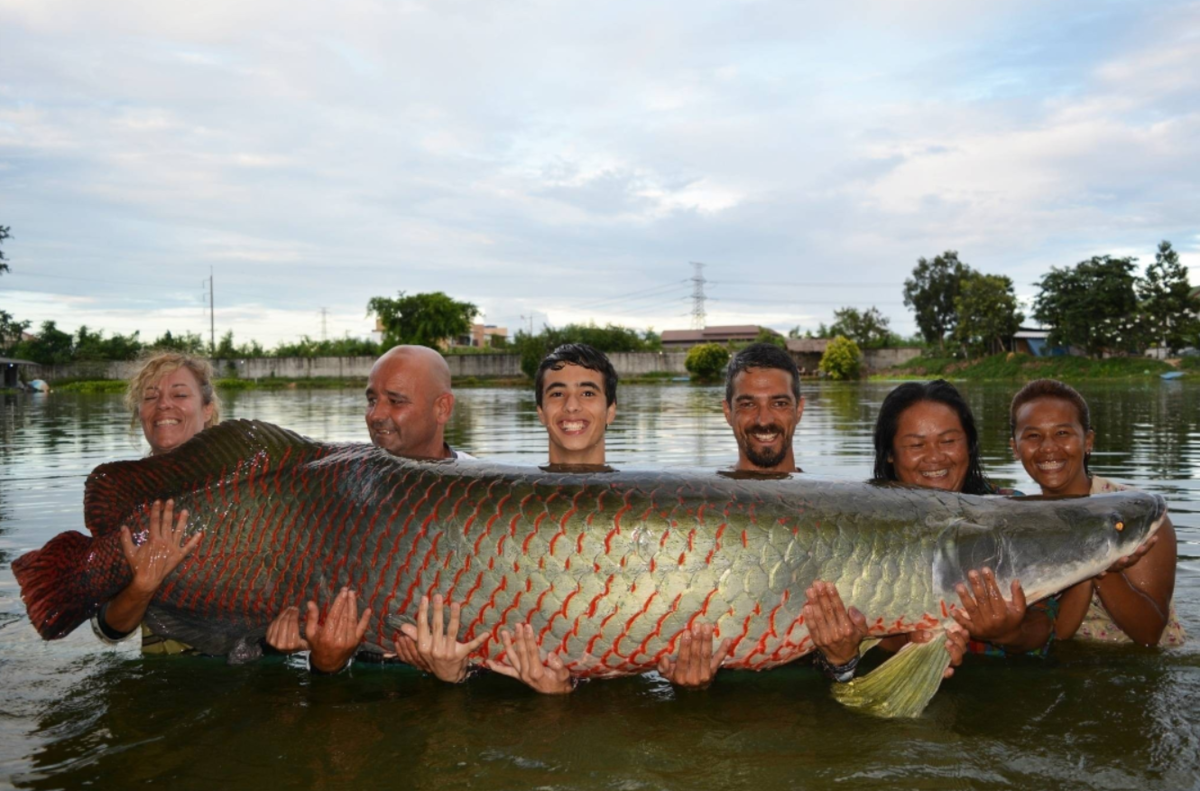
[1138, 598]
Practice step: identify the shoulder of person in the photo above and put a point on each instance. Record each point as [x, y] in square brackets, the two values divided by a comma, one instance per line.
[1104, 485]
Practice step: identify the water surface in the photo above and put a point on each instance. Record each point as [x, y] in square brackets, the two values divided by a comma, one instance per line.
[75, 713]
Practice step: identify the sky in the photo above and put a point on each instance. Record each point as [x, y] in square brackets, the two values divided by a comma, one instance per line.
[556, 162]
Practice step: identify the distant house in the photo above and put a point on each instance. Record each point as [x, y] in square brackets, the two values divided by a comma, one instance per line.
[682, 340]
[482, 336]
[1034, 341]
[9, 371]
[807, 352]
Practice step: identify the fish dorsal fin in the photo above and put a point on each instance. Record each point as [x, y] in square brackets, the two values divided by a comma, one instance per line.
[114, 490]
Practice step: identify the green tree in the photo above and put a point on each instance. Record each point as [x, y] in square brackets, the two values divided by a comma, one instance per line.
[4, 234]
[186, 343]
[842, 359]
[868, 328]
[988, 313]
[773, 338]
[10, 331]
[931, 291]
[225, 349]
[422, 319]
[1168, 313]
[707, 361]
[51, 346]
[1092, 305]
[608, 339]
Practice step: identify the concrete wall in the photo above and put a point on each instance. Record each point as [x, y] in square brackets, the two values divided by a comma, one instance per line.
[480, 366]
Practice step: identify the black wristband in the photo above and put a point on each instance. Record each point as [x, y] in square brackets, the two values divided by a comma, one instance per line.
[838, 673]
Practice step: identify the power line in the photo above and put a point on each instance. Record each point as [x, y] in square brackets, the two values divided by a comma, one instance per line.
[698, 317]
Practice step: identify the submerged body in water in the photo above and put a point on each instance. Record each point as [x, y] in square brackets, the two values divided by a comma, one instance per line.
[609, 568]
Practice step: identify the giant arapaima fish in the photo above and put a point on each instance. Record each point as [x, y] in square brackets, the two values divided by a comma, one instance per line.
[610, 568]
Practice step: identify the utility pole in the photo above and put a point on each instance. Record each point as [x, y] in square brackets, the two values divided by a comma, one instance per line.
[324, 331]
[698, 318]
[530, 317]
[212, 321]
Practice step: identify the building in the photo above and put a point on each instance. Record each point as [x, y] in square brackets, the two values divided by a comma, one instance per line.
[1034, 342]
[483, 336]
[682, 340]
[807, 352]
[9, 371]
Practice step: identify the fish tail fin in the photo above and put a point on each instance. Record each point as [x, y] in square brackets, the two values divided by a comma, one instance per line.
[901, 686]
[60, 585]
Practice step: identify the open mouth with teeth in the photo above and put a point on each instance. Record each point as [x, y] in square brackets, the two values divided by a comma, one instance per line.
[1051, 466]
[167, 422]
[765, 436]
[573, 426]
[935, 474]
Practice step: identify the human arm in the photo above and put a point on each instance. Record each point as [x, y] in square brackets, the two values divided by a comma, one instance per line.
[1136, 591]
[332, 644]
[165, 547]
[697, 663]
[434, 648]
[523, 661]
[1007, 623]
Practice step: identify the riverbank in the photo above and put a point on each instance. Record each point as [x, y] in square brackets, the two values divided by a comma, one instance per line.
[1023, 367]
[117, 386]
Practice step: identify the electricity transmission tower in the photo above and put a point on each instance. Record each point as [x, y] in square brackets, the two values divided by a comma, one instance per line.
[698, 281]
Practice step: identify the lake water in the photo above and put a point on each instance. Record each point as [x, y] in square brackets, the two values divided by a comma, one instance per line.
[75, 713]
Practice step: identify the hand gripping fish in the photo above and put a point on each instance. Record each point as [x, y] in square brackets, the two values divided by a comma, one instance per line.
[609, 568]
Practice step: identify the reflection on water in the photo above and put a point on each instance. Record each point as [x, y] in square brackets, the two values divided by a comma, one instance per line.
[74, 713]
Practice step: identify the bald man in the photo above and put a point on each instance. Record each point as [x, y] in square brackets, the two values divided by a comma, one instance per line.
[409, 402]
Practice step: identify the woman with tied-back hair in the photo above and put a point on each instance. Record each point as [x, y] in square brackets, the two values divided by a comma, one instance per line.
[172, 398]
[925, 436]
[1052, 437]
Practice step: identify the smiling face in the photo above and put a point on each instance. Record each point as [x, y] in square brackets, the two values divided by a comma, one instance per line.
[172, 410]
[1052, 445]
[575, 414]
[763, 413]
[930, 447]
[409, 403]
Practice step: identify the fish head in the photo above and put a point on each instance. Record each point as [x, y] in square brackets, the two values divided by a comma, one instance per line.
[1048, 544]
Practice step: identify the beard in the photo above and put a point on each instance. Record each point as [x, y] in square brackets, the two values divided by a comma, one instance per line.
[766, 457]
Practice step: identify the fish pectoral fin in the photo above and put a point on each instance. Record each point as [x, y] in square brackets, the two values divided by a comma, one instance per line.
[206, 635]
[868, 644]
[901, 686]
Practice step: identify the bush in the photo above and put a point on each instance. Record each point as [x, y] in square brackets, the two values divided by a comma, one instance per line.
[842, 359]
[707, 361]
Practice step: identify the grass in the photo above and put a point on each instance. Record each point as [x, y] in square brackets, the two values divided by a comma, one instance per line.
[91, 386]
[1025, 367]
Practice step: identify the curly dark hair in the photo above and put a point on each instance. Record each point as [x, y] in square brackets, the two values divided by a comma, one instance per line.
[585, 357]
[941, 392]
[761, 355]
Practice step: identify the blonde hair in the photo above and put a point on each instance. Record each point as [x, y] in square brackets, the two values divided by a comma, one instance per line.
[159, 364]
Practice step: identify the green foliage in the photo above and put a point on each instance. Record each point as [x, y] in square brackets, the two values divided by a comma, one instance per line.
[707, 361]
[609, 339]
[774, 338]
[93, 387]
[987, 313]
[1168, 313]
[335, 347]
[868, 328]
[422, 319]
[10, 331]
[1190, 363]
[4, 234]
[1093, 305]
[842, 359]
[1024, 367]
[931, 292]
[185, 343]
[52, 346]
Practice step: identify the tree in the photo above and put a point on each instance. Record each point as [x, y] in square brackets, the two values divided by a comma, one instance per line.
[1168, 313]
[773, 338]
[869, 328]
[422, 319]
[707, 361]
[187, 343]
[842, 359]
[1092, 305]
[11, 331]
[608, 339]
[987, 312]
[52, 346]
[3, 235]
[931, 291]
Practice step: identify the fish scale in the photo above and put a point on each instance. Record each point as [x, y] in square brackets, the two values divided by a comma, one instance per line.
[609, 568]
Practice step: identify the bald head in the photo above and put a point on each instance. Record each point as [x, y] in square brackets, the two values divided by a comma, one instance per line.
[409, 402]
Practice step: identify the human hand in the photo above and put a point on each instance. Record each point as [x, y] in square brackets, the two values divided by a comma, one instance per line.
[986, 614]
[1126, 561]
[523, 661]
[165, 547]
[836, 632]
[956, 644]
[433, 647]
[284, 632]
[697, 663]
[334, 642]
